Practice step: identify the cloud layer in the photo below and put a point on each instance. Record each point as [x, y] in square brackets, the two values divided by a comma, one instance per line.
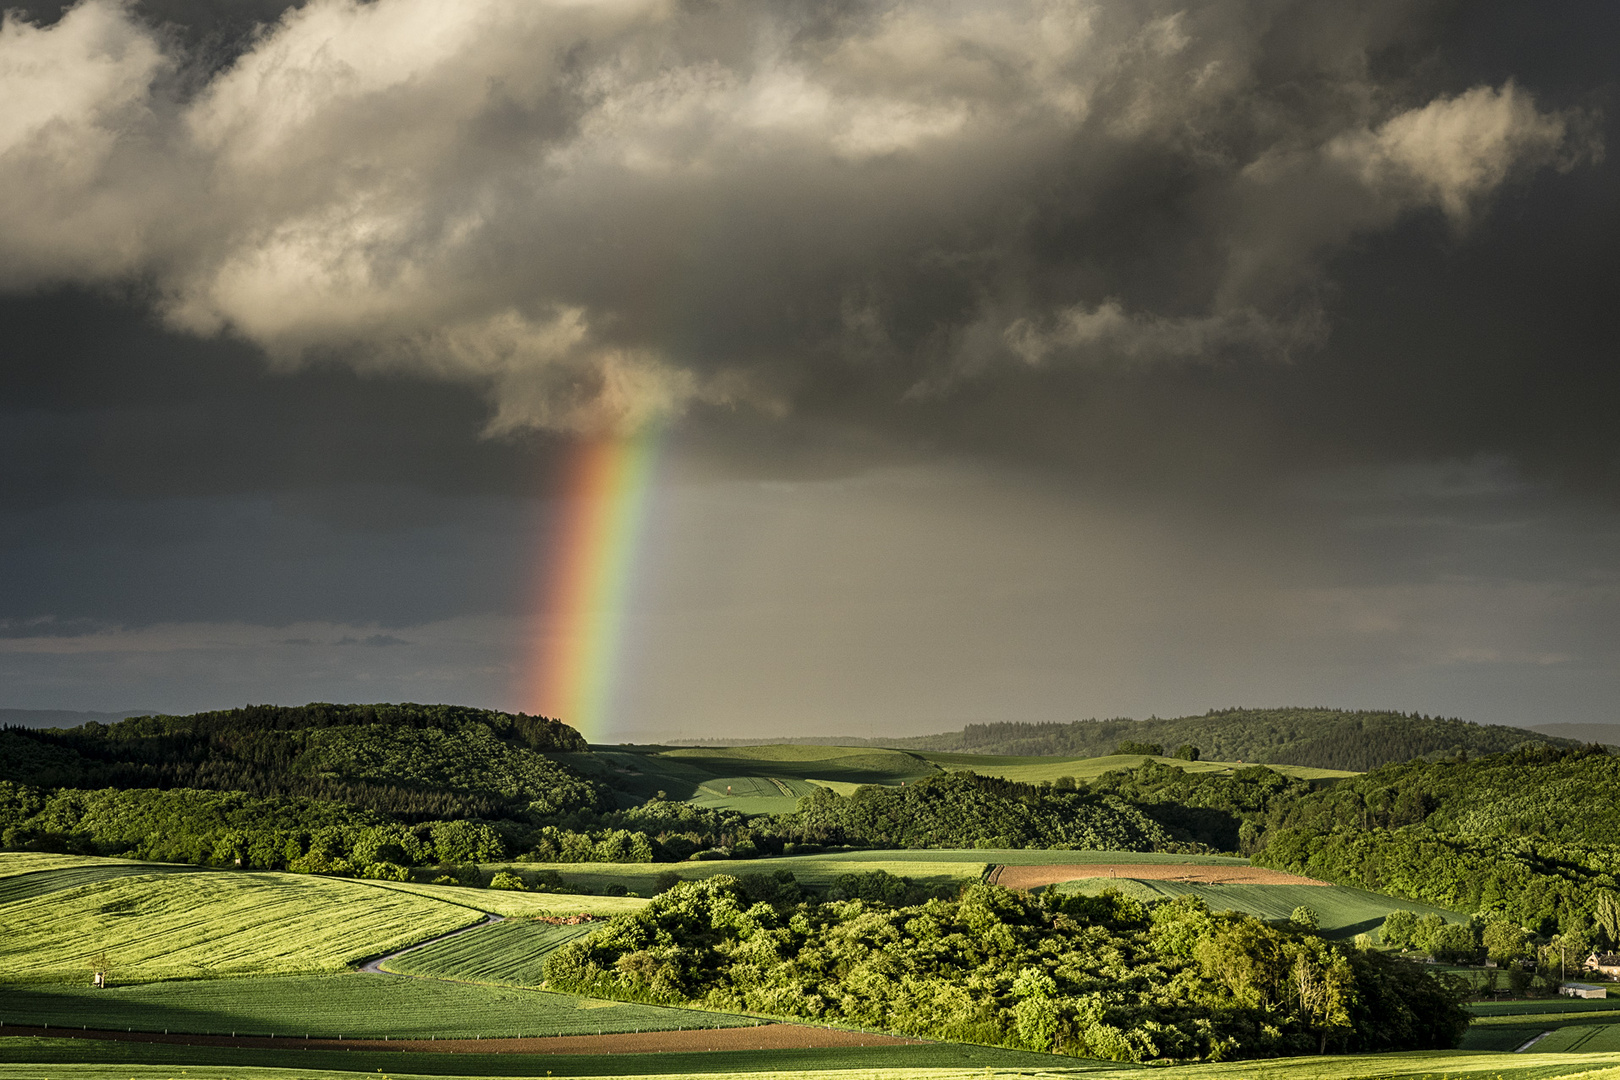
[600, 212]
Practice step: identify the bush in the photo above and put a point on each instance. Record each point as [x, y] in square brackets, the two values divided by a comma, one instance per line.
[386, 871]
[505, 879]
[1399, 929]
[1152, 749]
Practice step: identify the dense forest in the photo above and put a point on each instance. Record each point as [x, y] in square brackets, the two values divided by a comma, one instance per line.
[1321, 738]
[965, 810]
[413, 762]
[1092, 976]
[1534, 834]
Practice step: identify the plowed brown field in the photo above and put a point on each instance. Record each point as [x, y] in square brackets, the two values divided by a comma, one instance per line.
[764, 1037]
[1034, 877]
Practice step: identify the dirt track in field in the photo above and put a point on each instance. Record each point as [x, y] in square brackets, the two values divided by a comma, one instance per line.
[1034, 877]
[764, 1037]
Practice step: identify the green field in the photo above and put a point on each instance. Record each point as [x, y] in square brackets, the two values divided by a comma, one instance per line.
[107, 1061]
[514, 903]
[1344, 911]
[1585, 1039]
[1030, 770]
[702, 774]
[28, 885]
[23, 1058]
[29, 862]
[208, 923]
[1539, 1008]
[928, 866]
[1508, 1025]
[510, 952]
[351, 1005]
[753, 794]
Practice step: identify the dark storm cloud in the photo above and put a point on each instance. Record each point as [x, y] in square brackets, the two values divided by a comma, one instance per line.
[594, 214]
[298, 318]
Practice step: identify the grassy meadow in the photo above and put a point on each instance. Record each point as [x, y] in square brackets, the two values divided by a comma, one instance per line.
[928, 866]
[91, 1061]
[20, 1058]
[350, 1005]
[518, 904]
[13, 863]
[1344, 911]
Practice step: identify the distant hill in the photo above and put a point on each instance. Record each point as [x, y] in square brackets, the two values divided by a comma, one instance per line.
[1607, 734]
[1321, 738]
[63, 718]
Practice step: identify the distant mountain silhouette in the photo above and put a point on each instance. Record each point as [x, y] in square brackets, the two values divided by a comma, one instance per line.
[38, 718]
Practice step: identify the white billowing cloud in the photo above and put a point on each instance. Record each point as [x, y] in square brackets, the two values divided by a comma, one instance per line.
[1453, 150]
[603, 211]
[76, 113]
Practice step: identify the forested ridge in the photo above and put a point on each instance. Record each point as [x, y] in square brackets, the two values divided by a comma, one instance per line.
[1357, 741]
[414, 762]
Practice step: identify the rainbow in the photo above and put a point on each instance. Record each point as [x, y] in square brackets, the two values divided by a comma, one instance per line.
[587, 576]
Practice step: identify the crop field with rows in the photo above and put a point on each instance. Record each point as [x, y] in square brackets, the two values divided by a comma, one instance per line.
[210, 923]
[511, 952]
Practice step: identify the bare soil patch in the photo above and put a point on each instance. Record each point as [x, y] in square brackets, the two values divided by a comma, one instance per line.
[1035, 877]
[763, 1037]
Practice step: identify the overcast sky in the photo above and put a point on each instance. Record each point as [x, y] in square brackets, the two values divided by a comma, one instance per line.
[1019, 361]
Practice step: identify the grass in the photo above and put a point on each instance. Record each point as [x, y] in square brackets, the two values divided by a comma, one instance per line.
[753, 794]
[1545, 1007]
[1586, 1039]
[164, 926]
[30, 862]
[1031, 770]
[151, 1061]
[510, 952]
[930, 866]
[514, 903]
[100, 1061]
[1344, 911]
[351, 1005]
[1508, 1025]
[26, 886]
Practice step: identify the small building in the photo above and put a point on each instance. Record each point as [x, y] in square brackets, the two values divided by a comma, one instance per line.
[1583, 990]
[1604, 964]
